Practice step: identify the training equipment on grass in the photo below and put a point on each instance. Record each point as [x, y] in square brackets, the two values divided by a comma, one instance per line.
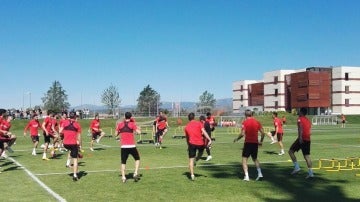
[147, 132]
[325, 120]
[335, 165]
[179, 132]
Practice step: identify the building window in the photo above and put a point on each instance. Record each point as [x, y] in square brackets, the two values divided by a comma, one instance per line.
[276, 79]
[347, 103]
[241, 88]
[276, 104]
[241, 97]
[346, 76]
[347, 90]
[276, 92]
[303, 83]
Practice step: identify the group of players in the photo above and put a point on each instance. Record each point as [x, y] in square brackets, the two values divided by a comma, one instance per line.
[66, 135]
[250, 129]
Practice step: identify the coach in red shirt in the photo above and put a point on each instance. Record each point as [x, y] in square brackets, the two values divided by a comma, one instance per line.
[250, 129]
[195, 133]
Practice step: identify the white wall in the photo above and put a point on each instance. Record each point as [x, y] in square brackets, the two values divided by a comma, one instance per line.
[237, 103]
[338, 91]
[269, 89]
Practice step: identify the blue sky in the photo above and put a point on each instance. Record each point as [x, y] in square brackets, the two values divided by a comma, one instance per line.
[179, 47]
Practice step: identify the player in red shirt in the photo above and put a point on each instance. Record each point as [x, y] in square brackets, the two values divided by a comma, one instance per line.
[211, 120]
[34, 126]
[250, 129]
[7, 139]
[208, 130]
[343, 121]
[96, 131]
[48, 127]
[161, 129]
[63, 118]
[72, 139]
[195, 133]
[279, 132]
[303, 142]
[126, 131]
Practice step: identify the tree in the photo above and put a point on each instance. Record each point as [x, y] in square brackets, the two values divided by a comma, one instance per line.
[148, 101]
[56, 98]
[110, 97]
[206, 102]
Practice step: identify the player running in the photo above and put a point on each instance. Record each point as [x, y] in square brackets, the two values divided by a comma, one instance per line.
[96, 131]
[34, 126]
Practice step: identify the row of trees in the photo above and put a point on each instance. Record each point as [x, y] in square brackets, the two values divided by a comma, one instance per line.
[148, 101]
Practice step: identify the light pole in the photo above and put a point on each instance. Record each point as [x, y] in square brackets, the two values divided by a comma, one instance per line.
[23, 101]
[30, 99]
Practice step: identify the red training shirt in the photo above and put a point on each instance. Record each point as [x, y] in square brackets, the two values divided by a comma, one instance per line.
[193, 130]
[278, 124]
[71, 129]
[95, 124]
[251, 127]
[127, 139]
[306, 127]
[34, 126]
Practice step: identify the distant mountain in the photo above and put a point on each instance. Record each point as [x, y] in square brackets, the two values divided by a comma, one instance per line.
[220, 103]
[224, 103]
[90, 107]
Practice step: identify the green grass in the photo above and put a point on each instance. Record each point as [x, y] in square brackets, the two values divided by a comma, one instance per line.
[165, 172]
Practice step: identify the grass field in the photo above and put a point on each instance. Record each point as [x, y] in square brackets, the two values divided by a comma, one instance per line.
[165, 177]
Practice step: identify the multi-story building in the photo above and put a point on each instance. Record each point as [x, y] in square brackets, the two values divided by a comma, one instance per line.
[274, 90]
[241, 94]
[256, 94]
[311, 89]
[346, 90]
[320, 89]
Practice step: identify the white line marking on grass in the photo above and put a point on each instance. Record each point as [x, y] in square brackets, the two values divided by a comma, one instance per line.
[50, 191]
[168, 167]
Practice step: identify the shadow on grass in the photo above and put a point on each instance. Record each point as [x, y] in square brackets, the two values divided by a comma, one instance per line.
[271, 152]
[57, 156]
[188, 175]
[131, 176]
[6, 164]
[9, 166]
[80, 174]
[318, 188]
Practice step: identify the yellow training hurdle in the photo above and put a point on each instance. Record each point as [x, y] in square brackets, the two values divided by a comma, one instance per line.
[335, 165]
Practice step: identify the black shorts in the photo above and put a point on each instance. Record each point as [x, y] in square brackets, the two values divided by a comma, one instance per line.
[125, 152]
[35, 138]
[250, 149]
[2, 145]
[47, 138]
[160, 131]
[74, 149]
[192, 149]
[95, 135]
[279, 136]
[305, 147]
[272, 133]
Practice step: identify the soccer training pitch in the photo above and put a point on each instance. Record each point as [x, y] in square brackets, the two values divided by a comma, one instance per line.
[165, 175]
